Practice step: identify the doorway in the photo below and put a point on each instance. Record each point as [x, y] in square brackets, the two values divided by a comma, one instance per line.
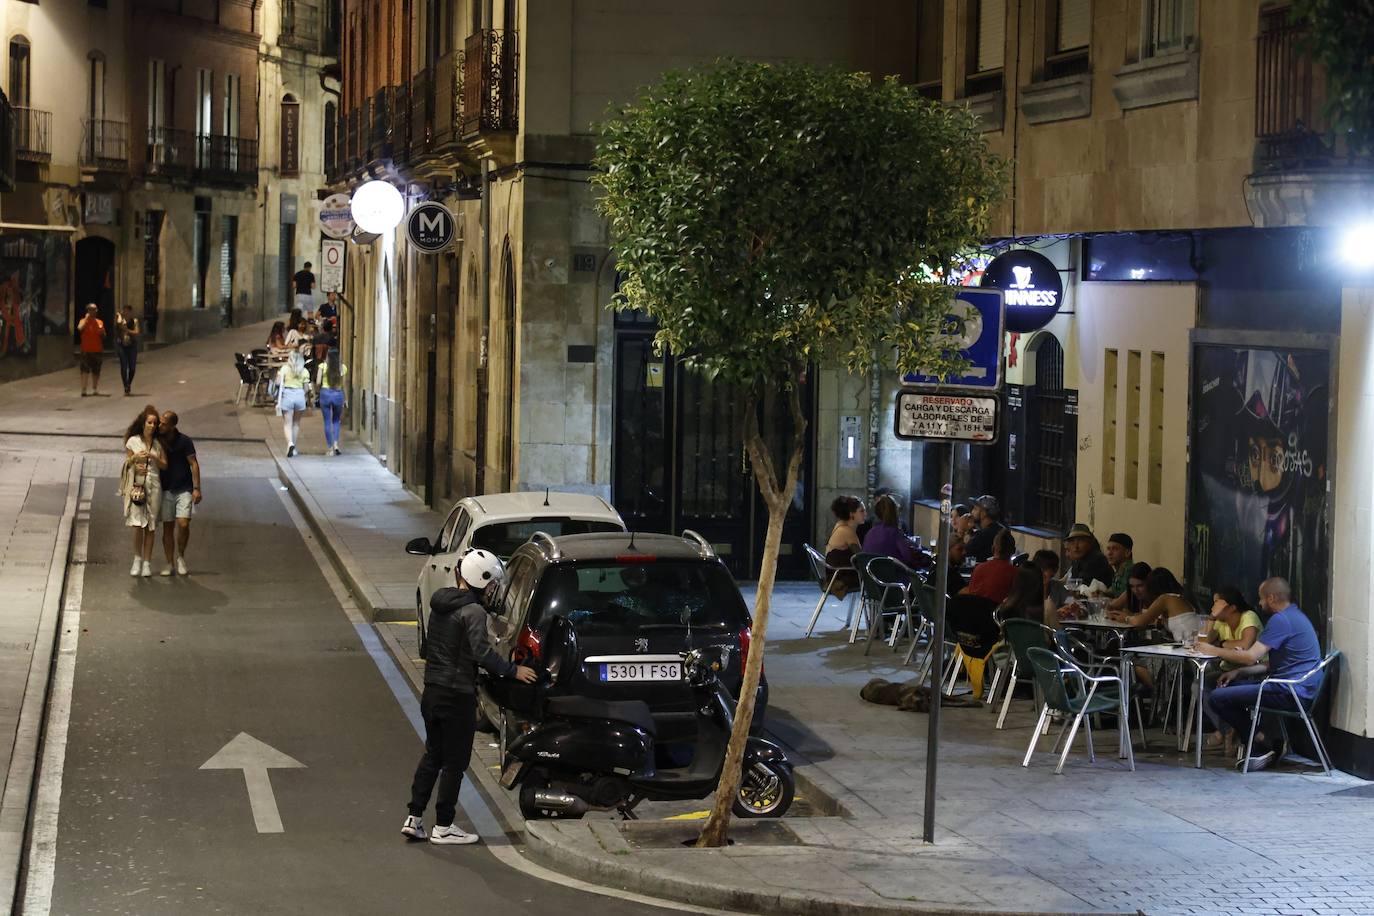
[95, 277]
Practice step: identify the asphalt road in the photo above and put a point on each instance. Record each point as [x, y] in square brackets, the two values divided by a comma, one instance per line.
[169, 671]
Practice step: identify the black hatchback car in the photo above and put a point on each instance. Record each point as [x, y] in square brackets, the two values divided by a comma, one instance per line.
[623, 607]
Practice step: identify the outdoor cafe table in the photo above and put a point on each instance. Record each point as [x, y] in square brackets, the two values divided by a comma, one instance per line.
[1099, 624]
[1200, 663]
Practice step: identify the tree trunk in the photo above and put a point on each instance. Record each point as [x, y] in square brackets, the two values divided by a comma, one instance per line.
[778, 500]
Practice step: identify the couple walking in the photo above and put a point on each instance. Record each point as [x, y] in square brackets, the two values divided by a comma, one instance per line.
[294, 384]
[160, 482]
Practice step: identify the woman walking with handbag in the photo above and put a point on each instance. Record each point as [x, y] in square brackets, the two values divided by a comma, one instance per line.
[140, 485]
[292, 381]
[329, 378]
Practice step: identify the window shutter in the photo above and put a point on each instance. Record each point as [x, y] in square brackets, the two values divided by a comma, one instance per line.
[992, 34]
[1074, 26]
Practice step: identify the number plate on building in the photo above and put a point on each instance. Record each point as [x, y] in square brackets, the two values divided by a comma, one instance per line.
[641, 671]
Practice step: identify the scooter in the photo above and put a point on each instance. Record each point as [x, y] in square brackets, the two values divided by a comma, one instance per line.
[585, 754]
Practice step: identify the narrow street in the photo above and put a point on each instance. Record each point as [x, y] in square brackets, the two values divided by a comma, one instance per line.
[171, 670]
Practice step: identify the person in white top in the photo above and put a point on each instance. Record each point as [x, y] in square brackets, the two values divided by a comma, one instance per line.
[140, 486]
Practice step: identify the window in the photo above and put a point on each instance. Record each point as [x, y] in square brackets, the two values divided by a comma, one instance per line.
[205, 88]
[987, 46]
[95, 108]
[447, 541]
[232, 84]
[930, 23]
[605, 598]
[1051, 411]
[157, 97]
[1069, 24]
[1156, 484]
[200, 248]
[20, 68]
[331, 128]
[502, 538]
[1133, 424]
[1109, 397]
[228, 257]
[1168, 26]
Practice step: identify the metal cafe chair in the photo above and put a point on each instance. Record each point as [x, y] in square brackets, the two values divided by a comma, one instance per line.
[1076, 695]
[897, 581]
[870, 596]
[825, 577]
[1301, 710]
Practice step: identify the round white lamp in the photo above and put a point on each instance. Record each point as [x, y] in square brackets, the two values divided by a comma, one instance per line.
[377, 207]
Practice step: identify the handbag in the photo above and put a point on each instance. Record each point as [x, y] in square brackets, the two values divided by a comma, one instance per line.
[138, 493]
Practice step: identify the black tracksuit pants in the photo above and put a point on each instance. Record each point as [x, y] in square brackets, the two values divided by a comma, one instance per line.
[450, 721]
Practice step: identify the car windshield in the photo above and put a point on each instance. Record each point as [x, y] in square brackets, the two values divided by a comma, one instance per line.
[502, 538]
[616, 597]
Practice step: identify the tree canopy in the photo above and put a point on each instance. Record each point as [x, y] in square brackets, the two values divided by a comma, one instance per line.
[1341, 36]
[774, 215]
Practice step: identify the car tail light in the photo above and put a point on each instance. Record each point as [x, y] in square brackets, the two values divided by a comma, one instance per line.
[527, 647]
[745, 638]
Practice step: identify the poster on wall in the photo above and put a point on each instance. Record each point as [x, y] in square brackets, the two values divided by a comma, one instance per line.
[21, 295]
[1258, 473]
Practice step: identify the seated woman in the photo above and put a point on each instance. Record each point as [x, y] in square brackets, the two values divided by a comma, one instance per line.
[1166, 605]
[1232, 624]
[276, 338]
[992, 579]
[844, 543]
[1027, 596]
[1056, 604]
[885, 538]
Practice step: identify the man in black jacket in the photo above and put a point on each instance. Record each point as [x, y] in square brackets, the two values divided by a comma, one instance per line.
[456, 643]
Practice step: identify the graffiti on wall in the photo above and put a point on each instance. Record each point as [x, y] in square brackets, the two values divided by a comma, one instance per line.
[33, 290]
[1259, 472]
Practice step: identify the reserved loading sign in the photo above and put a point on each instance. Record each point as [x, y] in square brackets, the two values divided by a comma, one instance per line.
[946, 417]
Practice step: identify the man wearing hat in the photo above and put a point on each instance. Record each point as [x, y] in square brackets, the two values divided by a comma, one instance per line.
[987, 521]
[1086, 561]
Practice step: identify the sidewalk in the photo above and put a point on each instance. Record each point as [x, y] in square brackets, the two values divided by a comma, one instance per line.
[1165, 839]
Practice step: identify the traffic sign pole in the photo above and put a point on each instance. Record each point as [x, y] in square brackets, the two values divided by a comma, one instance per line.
[937, 643]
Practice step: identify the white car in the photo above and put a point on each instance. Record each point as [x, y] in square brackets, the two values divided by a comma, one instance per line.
[501, 522]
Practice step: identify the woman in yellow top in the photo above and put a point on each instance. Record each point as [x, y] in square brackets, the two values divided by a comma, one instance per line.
[292, 381]
[1232, 624]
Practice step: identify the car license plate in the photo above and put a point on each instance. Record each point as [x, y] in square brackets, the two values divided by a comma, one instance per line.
[641, 671]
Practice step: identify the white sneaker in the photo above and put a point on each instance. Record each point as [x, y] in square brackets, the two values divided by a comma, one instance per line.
[452, 836]
[181, 567]
[137, 567]
[147, 569]
[414, 828]
[168, 571]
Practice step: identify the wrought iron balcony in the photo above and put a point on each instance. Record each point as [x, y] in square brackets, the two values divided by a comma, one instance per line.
[301, 25]
[7, 130]
[169, 153]
[351, 156]
[380, 135]
[421, 113]
[490, 82]
[32, 134]
[104, 145]
[400, 123]
[1290, 92]
[232, 160]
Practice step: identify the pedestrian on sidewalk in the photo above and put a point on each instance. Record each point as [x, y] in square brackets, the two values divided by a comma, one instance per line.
[92, 332]
[455, 645]
[128, 330]
[140, 485]
[329, 379]
[180, 493]
[292, 381]
[305, 288]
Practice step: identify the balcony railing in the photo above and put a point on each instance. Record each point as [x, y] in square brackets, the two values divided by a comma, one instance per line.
[32, 134]
[301, 25]
[104, 144]
[421, 113]
[400, 123]
[169, 153]
[380, 134]
[1289, 94]
[490, 68]
[350, 141]
[7, 129]
[227, 159]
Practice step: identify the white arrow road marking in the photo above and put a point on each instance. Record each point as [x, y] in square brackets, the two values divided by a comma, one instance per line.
[249, 754]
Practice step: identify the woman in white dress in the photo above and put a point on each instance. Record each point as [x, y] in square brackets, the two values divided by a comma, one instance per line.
[140, 485]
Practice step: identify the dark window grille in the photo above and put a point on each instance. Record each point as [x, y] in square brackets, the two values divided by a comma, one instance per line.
[1048, 403]
[1289, 93]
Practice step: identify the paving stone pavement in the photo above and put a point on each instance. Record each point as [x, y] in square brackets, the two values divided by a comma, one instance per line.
[1166, 839]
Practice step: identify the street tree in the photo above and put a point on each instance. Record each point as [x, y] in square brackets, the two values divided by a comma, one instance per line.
[775, 219]
[1340, 35]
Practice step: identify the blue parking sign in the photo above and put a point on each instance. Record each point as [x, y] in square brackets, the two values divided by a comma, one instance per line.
[978, 335]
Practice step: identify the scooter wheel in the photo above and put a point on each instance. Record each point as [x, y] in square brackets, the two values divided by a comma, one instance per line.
[766, 789]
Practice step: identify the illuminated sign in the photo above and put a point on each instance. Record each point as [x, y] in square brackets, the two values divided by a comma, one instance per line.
[1030, 285]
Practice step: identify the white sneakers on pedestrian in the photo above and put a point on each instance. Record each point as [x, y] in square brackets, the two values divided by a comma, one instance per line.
[168, 570]
[452, 836]
[181, 566]
[147, 569]
[413, 828]
[137, 567]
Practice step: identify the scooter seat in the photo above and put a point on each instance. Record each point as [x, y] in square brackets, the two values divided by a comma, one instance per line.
[635, 712]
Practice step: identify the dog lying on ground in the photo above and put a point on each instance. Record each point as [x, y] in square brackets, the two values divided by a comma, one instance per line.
[911, 696]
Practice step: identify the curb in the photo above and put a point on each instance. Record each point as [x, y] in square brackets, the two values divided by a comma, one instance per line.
[22, 777]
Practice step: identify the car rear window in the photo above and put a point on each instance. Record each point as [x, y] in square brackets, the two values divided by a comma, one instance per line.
[502, 538]
[619, 597]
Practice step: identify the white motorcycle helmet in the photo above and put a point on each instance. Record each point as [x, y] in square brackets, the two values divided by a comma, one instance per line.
[483, 572]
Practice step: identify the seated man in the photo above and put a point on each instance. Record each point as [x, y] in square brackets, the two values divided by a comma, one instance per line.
[1121, 558]
[987, 521]
[1086, 562]
[992, 579]
[1291, 644]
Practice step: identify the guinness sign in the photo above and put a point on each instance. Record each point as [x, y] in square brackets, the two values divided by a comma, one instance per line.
[1030, 286]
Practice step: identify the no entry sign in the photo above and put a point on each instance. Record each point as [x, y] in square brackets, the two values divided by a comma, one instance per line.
[946, 417]
[332, 266]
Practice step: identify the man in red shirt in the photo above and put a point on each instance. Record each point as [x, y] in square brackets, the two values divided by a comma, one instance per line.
[992, 579]
[92, 331]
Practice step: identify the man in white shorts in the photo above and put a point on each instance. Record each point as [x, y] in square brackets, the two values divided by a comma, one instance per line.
[180, 493]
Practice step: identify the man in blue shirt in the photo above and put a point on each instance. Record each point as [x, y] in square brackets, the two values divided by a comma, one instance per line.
[1291, 644]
